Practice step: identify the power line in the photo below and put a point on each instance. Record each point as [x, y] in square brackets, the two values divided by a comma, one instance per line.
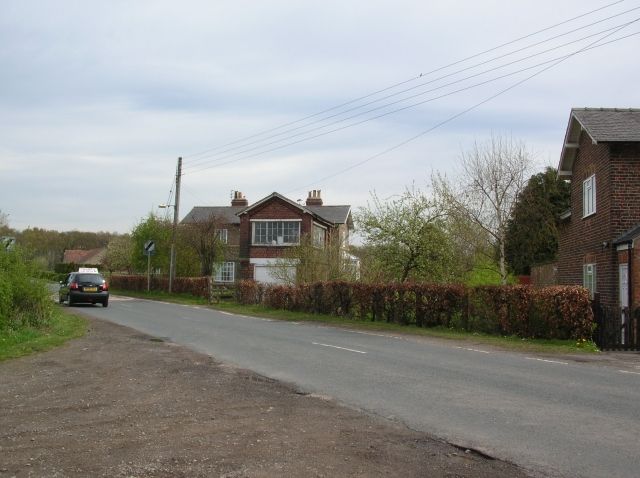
[411, 79]
[475, 85]
[471, 108]
[260, 143]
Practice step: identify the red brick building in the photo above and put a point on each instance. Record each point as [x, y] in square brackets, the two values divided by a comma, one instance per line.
[258, 235]
[598, 235]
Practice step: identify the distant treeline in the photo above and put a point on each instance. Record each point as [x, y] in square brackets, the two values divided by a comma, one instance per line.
[47, 247]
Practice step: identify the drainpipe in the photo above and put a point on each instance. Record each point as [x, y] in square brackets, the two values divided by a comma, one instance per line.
[629, 279]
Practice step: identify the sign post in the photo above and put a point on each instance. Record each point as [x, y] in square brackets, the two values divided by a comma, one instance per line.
[149, 249]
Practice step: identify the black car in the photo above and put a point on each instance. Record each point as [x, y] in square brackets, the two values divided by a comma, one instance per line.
[84, 287]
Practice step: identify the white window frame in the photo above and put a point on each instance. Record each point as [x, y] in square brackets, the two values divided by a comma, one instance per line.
[275, 223]
[589, 196]
[224, 272]
[223, 235]
[589, 278]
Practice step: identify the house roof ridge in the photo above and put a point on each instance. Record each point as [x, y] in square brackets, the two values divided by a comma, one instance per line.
[612, 109]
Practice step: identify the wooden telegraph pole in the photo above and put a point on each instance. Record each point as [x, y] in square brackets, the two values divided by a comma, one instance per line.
[176, 212]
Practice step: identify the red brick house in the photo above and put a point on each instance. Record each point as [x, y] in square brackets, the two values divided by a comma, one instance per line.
[259, 234]
[275, 223]
[598, 242]
[228, 229]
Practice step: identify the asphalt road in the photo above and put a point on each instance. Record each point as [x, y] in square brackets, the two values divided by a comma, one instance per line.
[551, 416]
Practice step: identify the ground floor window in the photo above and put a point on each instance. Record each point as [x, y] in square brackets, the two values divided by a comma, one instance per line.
[589, 278]
[225, 272]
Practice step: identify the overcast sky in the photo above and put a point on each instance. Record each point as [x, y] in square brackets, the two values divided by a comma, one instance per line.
[98, 99]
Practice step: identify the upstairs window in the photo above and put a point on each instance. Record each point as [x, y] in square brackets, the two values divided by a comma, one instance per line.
[223, 235]
[319, 236]
[589, 196]
[276, 233]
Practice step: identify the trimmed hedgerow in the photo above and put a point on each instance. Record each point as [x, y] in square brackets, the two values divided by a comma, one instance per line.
[560, 312]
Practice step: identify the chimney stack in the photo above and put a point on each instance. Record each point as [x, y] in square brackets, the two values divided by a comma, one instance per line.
[314, 198]
[239, 199]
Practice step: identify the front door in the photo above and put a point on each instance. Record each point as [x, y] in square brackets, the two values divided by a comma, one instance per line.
[623, 273]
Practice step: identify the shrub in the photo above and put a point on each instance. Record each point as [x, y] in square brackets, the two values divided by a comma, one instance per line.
[249, 292]
[25, 300]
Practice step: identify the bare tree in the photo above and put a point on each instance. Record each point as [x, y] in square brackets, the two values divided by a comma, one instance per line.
[4, 223]
[493, 174]
[205, 237]
[309, 262]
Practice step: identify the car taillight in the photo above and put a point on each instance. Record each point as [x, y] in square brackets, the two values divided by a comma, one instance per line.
[73, 286]
[105, 286]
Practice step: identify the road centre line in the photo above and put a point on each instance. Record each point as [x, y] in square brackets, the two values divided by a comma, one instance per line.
[230, 314]
[473, 350]
[341, 348]
[627, 371]
[376, 335]
[548, 361]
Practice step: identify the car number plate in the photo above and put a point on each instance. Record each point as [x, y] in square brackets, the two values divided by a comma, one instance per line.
[90, 289]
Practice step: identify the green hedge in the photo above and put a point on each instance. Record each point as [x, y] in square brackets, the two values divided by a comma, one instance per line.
[561, 312]
[197, 286]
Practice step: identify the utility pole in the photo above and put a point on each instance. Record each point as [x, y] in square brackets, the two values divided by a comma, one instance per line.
[176, 212]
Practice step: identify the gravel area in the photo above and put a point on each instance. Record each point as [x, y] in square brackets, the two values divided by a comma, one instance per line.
[120, 403]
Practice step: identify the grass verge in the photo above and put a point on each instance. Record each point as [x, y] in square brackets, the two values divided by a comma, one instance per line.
[553, 347]
[62, 327]
[186, 299]
[508, 343]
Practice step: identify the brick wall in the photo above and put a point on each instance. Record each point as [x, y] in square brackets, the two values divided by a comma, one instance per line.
[231, 251]
[625, 190]
[625, 203]
[585, 240]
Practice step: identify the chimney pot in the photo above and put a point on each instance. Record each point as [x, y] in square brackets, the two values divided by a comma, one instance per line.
[239, 199]
[314, 198]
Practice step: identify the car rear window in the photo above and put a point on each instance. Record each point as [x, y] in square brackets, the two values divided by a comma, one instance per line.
[97, 278]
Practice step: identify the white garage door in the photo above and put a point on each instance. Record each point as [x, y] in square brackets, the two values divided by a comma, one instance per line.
[273, 275]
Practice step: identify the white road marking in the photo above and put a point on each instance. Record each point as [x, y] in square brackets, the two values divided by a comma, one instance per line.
[548, 361]
[375, 335]
[473, 350]
[627, 371]
[242, 316]
[341, 348]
